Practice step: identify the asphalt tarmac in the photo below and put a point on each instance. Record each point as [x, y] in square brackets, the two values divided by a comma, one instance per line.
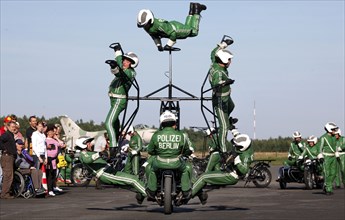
[232, 202]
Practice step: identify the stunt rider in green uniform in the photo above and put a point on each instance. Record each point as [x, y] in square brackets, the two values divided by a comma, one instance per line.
[166, 147]
[295, 151]
[340, 141]
[105, 173]
[311, 151]
[238, 163]
[133, 158]
[123, 69]
[220, 82]
[159, 28]
[329, 153]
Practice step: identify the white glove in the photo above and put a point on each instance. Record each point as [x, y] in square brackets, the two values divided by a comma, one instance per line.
[134, 152]
[124, 148]
[300, 144]
[336, 154]
[237, 160]
[116, 70]
[171, 43]
[223, 45]
[339, 149]
[95, 156]
[300, 157]
[319, 156]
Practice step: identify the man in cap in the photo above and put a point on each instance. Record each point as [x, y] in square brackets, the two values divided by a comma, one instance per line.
[134, 147]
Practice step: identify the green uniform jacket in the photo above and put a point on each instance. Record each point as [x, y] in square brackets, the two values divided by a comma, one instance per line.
[168, 143]
[246, 159]
[296, 150]
[218, 75]
[136, 143]
[311, 152]
[328, 145]
[123, 79]
[341, 143]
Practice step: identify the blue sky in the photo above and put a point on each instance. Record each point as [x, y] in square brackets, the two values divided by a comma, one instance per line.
[289, 59]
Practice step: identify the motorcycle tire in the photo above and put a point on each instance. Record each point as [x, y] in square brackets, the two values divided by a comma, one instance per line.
[167, 195]
[263, 177]
[308, 179]
[80, 175]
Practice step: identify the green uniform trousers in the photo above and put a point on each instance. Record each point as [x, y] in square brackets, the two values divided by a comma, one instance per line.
[329, 170]
[132, 164]
[123, 179]
[112, 123]
[223, 107]
[213, 162]
[179, 165]
[214, 178]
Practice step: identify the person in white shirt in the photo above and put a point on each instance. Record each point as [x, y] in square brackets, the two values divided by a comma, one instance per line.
[39, 148]
[101, 143]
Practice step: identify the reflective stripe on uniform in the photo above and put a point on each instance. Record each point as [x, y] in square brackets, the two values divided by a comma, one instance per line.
[223, 93]
[329, 154]
[168, 160]
[113, 95]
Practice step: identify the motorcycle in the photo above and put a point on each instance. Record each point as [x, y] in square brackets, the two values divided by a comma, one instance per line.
[308, 176]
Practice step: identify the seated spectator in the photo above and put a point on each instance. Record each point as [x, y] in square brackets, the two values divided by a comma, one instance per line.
[25, 163]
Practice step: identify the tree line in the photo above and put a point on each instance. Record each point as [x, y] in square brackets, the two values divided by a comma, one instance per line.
[280, 144]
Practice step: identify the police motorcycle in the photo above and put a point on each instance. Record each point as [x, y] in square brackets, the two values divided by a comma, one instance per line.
[259, 173]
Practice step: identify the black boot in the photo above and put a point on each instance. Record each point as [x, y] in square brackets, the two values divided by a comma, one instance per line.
[191, 8]
[198, 8]
[140, 198]
[202, 197]
[151, 195]
[233, 120]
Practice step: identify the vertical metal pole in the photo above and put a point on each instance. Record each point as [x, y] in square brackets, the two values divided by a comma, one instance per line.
[170, 74]
[254, 123]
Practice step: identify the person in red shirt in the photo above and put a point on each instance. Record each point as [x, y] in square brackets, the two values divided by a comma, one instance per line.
[3, 129]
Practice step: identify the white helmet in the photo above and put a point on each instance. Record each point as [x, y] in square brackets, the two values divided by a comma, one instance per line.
[133, 58]
[296, 134]
[312, 138]
[330, 126]
[338, 131]
[167, 116]
[224, 55]
[145, 16]
[82, 141]
[243, 141]
[210, 131]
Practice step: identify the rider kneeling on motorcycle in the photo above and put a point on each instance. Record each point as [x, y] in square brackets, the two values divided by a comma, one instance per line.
[166, 147]
[237, 165]
[104, 172]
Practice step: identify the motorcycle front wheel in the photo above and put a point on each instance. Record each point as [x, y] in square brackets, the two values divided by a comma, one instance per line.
[263, 177]
[308, 179]
[80, 175]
